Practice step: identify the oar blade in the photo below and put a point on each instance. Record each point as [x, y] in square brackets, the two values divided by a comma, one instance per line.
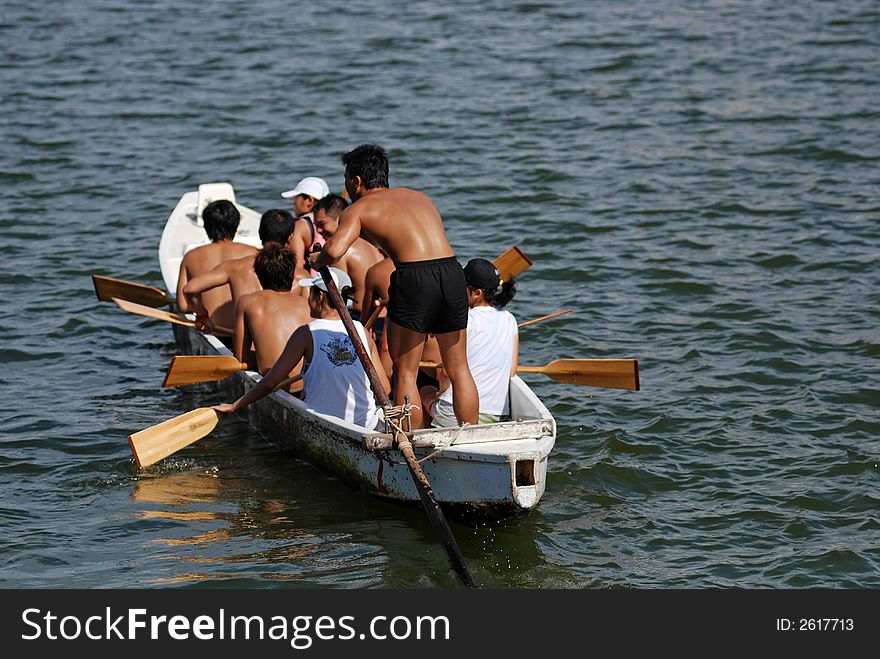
[157, 442]
[608, 373]
[193, 369]
[150, 312]
[512, 262]
[106, 288]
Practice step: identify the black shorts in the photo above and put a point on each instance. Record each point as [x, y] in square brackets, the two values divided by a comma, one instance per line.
[429, 296]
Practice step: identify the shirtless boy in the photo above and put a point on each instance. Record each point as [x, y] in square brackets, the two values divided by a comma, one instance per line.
[221, 220]
[269, 316]
[428, 293]
[359, 257]
[275, 227]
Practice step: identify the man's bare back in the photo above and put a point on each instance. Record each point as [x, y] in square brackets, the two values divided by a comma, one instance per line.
[361, 255]
[428, 293]
[238, 273]
[216, 301]
[404, 222]
[267, 318]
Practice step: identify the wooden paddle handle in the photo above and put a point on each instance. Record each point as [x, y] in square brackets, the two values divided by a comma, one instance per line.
[373, 316]
[548, 317]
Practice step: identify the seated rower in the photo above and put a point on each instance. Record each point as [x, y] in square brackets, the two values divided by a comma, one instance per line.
[492, 347]
[276, 226]
[360, 255]
[221, 219]
[334, 379]
[268, 317]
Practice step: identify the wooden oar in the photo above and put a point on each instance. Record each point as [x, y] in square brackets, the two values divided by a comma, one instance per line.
[607, 373]
[193, 369]
[373, 316]
[547, 317]
[156, 442]
[150, 312]
[426, 494]
[106, 288]
[511, 263]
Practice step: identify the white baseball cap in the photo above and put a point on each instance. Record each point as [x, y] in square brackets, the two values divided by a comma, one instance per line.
[312, 186]
[340, 278]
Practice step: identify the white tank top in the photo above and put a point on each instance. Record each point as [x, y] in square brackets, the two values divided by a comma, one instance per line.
[490, 336]
[335, 381]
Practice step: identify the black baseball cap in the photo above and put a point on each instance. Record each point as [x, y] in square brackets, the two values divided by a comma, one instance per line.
[480, 273]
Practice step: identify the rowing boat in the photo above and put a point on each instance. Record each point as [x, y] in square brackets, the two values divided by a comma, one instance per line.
[490, 470]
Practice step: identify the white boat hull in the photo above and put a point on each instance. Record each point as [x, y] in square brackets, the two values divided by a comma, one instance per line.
[495, 470]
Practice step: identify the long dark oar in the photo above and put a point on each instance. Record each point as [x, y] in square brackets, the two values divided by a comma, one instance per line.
[106, 288]
[607, 373]
[426, 494]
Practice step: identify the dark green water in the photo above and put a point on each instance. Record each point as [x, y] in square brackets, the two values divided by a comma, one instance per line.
[697, 181]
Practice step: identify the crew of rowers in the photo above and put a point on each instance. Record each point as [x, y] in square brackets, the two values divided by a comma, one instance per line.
[388, 252]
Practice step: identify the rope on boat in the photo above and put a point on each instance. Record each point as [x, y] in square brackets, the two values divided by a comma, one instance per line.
[446, 446]
[394, 417]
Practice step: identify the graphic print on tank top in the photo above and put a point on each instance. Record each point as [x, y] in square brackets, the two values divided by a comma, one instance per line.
[340, 351]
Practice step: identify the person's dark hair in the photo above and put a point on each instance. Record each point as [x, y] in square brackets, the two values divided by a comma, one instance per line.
[276, 226]
[221, 220]
[332, 205]
[501, 295]
[370, 162]
[274, 267]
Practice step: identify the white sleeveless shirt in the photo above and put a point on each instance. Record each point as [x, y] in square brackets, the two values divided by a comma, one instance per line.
[335, 381]
[490, 338]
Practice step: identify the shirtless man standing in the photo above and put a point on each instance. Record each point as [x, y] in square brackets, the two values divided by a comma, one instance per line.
[269, 316]
[359, 257]
[221, 220]
[276, 226]
[428, 293]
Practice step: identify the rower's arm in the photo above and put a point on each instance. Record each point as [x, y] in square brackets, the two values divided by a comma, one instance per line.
[290, 357]
[377, 364]
[242, 337]
[193, 289]
[347, 232]
[515, 361]
[298, 240]
[182, 280]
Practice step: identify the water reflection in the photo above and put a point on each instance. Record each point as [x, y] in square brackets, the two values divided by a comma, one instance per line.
[208, 516]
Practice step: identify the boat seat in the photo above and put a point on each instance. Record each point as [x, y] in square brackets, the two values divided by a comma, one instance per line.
[209, 192]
